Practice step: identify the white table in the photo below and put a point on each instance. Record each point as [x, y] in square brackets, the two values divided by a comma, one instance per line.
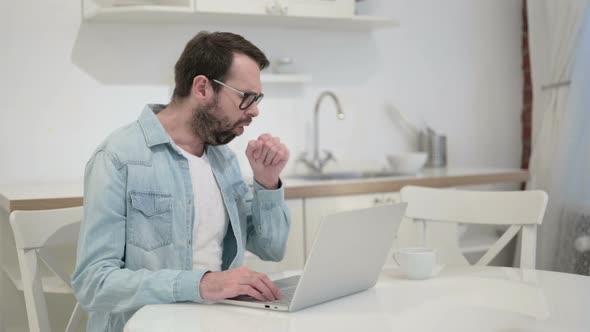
[458, 299]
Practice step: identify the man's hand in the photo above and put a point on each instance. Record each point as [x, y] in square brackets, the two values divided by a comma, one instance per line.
[240, 281]
[267, 157]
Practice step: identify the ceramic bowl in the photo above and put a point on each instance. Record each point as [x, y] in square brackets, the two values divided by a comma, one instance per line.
[407, 163]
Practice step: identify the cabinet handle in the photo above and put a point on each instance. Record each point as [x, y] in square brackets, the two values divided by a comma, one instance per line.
[377, 200]
[284, 8]
[271, 7]
[277, 7]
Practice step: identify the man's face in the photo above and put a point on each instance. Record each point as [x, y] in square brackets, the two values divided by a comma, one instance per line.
[221, 120]
[215, 126]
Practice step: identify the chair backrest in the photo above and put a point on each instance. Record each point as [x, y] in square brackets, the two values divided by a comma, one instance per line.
[34, 231]
[520, 210]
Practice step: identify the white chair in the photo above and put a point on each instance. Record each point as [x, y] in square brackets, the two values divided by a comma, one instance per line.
[34, 231]
[522, 211]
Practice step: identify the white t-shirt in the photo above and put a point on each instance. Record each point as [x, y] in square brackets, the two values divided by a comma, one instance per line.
[211, 219]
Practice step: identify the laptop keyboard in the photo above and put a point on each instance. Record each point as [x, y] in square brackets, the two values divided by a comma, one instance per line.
[287, 287]
[287, 296]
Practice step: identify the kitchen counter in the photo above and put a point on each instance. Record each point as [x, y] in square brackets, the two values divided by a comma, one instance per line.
[435, 177]
[50, 196]
[40, 196]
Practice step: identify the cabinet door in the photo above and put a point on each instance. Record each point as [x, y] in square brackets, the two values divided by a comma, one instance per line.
[235, 6]
[340, 8]
[294, 256]
[317, 208]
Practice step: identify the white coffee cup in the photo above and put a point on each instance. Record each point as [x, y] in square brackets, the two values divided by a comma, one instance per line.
[416, 262]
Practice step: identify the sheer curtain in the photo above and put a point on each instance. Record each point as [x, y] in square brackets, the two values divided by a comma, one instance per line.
[560, 155]
[572, 180]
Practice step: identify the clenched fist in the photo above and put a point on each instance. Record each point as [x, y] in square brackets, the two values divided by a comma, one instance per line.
[267, 157]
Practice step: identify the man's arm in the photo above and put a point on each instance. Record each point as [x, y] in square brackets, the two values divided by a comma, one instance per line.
[268, 226]
[101, 282]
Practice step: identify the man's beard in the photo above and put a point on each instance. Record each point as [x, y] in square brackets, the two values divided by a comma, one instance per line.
[212, 128]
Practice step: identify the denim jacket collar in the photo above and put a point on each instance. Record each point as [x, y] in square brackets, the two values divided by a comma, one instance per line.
[153, 131]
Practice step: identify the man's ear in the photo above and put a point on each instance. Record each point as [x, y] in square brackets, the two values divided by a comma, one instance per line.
[201, 88]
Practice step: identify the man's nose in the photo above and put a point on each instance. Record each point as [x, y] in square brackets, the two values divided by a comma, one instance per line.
[252, 111]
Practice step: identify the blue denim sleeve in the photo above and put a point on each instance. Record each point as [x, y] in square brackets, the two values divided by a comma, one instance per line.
[268, 227]
[100, 281]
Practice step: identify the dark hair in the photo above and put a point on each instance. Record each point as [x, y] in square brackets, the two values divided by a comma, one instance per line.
[211, 55]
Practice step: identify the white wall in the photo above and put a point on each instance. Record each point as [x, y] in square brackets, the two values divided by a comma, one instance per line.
[65, 84]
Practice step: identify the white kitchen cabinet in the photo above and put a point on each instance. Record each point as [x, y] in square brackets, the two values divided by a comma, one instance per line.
[294, 256]
[185, 11]
[238, 6]
[317, 208]
[342, 8]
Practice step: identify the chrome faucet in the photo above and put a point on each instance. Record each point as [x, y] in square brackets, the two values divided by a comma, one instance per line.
[317, 163]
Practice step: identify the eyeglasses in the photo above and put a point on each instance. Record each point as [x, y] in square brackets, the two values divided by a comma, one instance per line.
[248, 98]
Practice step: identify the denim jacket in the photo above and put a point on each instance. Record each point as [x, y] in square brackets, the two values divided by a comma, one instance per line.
[135, 241]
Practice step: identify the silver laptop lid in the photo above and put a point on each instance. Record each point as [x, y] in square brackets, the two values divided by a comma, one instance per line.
[348, 254]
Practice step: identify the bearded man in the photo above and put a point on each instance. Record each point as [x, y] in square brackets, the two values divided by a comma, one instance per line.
[167, 214]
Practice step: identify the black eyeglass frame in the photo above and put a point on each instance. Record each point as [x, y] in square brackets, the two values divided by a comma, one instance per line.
[245, 95]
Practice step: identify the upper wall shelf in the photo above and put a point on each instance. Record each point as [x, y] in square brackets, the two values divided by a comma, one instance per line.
[181, 14]
[284, 78]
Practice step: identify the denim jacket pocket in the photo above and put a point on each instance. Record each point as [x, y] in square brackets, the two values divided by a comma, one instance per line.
[149, 223]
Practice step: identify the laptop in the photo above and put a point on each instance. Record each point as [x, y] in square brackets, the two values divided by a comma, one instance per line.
[347, 256]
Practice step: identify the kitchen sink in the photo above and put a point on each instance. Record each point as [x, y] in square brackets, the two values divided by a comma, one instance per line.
[343, 175]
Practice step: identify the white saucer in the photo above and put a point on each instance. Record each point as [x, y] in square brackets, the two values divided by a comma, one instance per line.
[435, 272]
